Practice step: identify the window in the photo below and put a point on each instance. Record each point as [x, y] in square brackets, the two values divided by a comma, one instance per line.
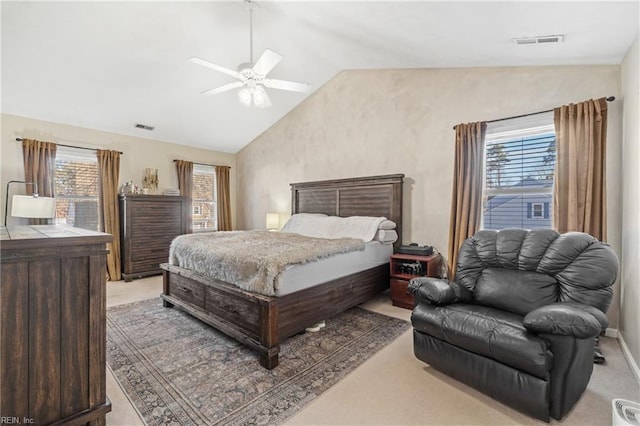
[205, 211]
[520, 156]
[537, 210]
[76, 188]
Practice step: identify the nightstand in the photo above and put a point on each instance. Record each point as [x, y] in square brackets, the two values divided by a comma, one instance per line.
[407, 266]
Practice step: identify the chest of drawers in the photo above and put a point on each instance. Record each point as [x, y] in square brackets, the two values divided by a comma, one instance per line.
[148, 224]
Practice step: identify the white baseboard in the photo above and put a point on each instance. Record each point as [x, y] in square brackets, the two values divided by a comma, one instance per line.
[627, 355]
[611, 332]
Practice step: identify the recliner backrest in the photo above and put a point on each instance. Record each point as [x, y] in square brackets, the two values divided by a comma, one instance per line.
[519, 270]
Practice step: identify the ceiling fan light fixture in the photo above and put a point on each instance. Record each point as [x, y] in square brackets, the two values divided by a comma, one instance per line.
[245, 96]
[260, 97]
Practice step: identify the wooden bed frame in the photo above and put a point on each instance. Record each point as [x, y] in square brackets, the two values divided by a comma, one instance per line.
[263, 322]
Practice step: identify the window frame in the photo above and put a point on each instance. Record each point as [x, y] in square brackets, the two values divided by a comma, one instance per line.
[533, 211]
[199, 223]
[77, 155]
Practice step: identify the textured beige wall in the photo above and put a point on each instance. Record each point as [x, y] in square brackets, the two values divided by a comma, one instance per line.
[400, 121]
[138, 153]
[630, 276]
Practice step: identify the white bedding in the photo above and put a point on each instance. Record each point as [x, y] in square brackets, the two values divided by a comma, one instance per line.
[253, 260]
[299, 277]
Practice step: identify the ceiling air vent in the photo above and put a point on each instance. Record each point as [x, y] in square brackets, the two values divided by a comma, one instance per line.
[144, 126]
[539, 39]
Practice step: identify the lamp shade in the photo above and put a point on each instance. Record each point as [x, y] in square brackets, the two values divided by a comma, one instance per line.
[273, 221]
[260, 97]
[34, 207]
[245, 96]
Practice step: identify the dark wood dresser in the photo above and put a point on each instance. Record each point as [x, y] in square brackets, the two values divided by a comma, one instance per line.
[148, 224]
[53, 325]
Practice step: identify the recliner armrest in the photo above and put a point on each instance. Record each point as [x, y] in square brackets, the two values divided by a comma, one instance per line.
[438, 291]
[566, 319]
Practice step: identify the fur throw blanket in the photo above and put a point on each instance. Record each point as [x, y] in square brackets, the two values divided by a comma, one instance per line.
[253, 260]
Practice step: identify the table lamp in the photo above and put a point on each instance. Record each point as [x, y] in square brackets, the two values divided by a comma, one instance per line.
[29, 206]
[273, 221]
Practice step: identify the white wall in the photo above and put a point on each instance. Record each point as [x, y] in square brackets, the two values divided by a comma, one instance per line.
[138, 153]
[630, 289]
[372, 122]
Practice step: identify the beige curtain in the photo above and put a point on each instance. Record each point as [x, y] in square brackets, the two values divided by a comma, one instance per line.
[466, 198]
[579, 199]
[39, 167]
[109, 172]
[185, 184]
[224, 198]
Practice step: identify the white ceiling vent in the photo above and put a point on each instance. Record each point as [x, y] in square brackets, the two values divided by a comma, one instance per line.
[144, 126]
[539, 39]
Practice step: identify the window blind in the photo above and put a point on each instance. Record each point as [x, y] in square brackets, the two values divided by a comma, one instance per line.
[518, 174]
[76, 188]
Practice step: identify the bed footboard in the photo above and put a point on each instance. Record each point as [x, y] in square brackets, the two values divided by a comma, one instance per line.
[250, 318]
[262, 322]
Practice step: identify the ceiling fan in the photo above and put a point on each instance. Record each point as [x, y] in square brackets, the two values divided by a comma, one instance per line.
[252, 76]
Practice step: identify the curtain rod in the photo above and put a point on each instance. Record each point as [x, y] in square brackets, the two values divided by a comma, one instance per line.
[609, 99]
[70, 146]
[205, 164]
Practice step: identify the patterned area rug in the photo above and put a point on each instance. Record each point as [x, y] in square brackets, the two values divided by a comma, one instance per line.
[177, 370]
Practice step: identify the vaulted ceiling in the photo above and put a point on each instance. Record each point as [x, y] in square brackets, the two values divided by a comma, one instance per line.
[110, 65]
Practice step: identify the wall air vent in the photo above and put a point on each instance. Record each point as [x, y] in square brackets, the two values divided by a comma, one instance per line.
[539, 39]
[144, 126]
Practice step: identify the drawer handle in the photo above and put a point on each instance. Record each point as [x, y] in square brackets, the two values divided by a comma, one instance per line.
[185, 289]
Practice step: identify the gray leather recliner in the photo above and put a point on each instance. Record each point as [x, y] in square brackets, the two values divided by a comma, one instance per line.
[518, 322]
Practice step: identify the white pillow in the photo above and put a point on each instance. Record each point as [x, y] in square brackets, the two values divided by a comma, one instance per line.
[304, 223]
[387, 224]
[387, 236]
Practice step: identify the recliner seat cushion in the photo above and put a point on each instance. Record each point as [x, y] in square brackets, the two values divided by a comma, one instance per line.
[515, 291]
[486, 331]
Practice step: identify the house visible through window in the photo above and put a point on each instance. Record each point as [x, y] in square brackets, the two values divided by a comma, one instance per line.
[520, 156]
[205, 211]
[76, 188]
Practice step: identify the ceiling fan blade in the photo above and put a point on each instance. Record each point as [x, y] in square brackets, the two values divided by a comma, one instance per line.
[205, 63]
[266, 62]
[223, 88]
[287, 85]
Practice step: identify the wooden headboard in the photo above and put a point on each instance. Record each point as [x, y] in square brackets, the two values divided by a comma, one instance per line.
[362, 196]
